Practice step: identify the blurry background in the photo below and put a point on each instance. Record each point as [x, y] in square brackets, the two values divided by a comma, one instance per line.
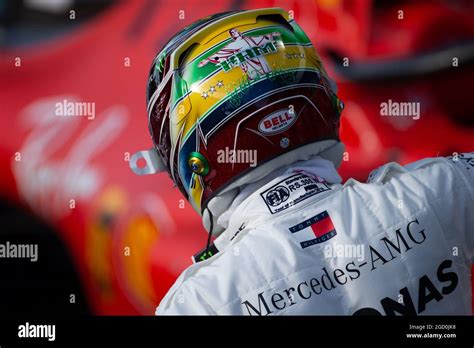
[115, 241]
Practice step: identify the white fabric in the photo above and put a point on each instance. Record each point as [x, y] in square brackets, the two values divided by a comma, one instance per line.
[403, 244]
[331, 150]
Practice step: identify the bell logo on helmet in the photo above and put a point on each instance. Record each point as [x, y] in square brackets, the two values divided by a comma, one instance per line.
[246, 52]
[277, 122]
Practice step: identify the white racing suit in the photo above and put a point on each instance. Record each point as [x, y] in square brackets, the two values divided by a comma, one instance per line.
[400, 244]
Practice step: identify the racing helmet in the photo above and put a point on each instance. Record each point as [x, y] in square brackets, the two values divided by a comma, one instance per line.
[234, 96]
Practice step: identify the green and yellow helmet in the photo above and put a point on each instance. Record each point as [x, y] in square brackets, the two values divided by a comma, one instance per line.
[232, 92]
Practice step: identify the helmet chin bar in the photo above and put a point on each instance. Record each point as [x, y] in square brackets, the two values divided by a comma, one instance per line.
[154, 164]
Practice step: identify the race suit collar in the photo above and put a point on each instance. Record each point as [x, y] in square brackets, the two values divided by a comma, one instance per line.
[317, 168]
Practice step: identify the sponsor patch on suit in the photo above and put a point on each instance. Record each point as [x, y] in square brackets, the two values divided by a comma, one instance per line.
[291, 191]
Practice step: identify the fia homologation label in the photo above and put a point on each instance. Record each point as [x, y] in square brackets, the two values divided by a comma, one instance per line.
[291, 191]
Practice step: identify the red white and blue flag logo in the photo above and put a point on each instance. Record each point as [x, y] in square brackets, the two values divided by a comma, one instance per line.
[315, 230]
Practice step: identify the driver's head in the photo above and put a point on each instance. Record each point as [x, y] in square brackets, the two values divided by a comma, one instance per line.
[215, 126]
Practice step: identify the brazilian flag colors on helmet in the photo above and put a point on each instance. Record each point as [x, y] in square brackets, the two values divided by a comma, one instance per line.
[231, 92]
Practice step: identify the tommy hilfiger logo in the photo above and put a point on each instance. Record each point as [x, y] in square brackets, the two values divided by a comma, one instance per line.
[315, 230]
